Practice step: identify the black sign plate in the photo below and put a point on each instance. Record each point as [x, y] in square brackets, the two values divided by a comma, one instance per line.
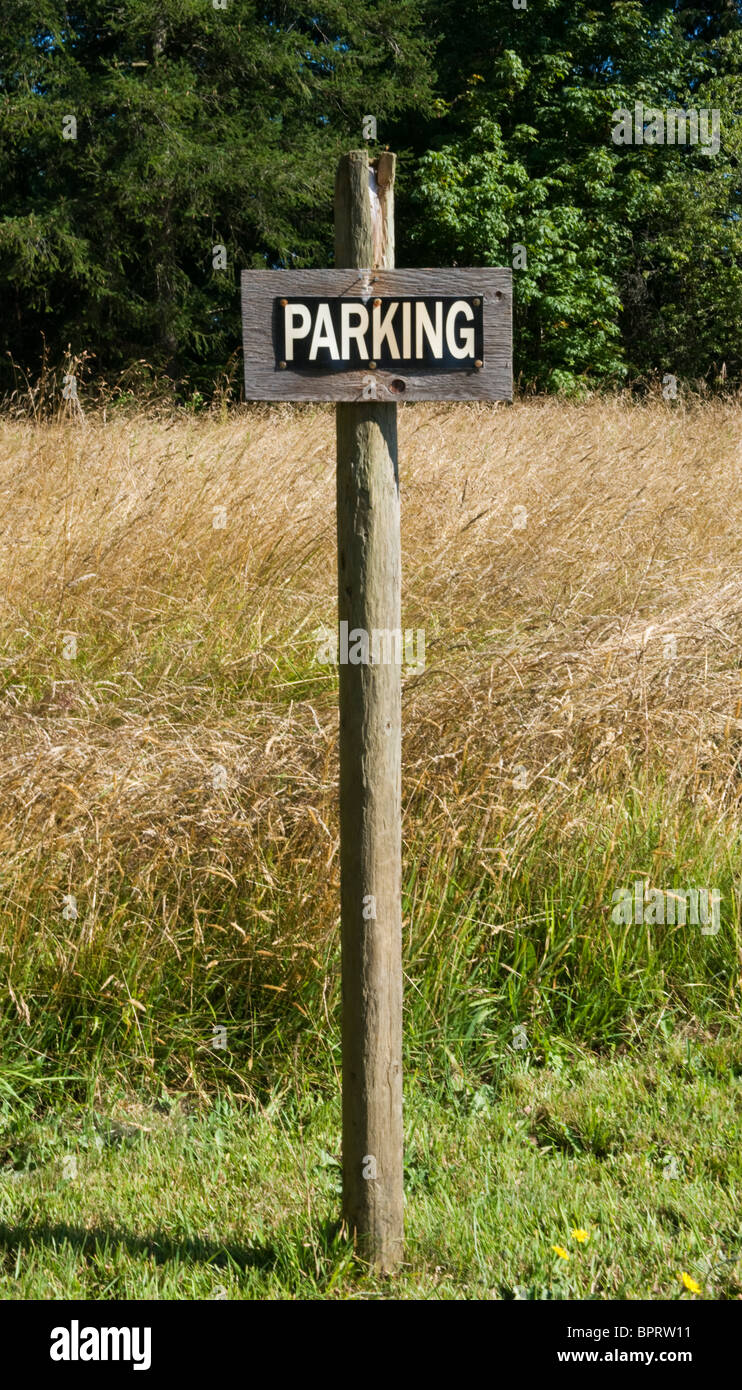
[368, 370]
[426, 333]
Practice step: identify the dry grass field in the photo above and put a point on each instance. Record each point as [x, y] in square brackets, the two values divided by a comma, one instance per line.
[168, 768]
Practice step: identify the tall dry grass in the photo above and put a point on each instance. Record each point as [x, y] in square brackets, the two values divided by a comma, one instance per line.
[577, 570]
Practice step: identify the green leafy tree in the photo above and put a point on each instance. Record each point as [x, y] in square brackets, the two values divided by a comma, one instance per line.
[201, 128]
[682, 283]
[524, 157]
[196, 128]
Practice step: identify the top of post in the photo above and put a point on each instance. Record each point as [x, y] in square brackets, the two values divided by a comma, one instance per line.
[364, 211]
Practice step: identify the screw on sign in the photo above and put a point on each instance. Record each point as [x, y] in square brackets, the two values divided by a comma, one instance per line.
[366, 335]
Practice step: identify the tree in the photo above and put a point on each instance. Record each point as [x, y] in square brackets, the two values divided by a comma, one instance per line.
[523, 157]
[207, 138]
[204, 139]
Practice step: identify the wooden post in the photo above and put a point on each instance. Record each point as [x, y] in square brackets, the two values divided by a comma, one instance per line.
[369, 583]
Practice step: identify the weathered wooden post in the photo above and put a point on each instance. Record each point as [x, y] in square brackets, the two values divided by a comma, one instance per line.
[364, 335]
[369, 587]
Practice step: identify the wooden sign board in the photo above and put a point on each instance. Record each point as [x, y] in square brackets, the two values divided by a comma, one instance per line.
[386, 335]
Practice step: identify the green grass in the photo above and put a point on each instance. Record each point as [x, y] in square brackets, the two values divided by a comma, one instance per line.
[131, 995]
[176, 1200]
[202, 907]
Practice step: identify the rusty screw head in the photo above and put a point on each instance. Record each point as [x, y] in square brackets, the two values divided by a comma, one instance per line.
[372, 364]
[377, 303]
[479, 363]
[477, 302]
[284, 302]
[282, 364]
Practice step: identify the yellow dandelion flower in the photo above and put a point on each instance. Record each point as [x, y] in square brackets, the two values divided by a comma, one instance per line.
[690, 1284]
[579, 1234]
[561, 1252]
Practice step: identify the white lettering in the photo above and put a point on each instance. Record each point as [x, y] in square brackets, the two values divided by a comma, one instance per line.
[356, 331]
[299, 314]
[406, 331]
[324, 334]
[382, 329]
[424, 326]
[75, 1343]
[466, 349]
